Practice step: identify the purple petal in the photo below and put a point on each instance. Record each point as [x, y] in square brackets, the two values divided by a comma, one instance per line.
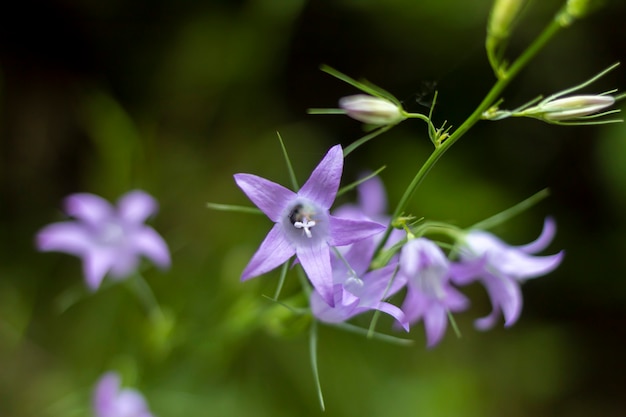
[542, 242]
[274, 251]
[315, 260]
[125, 263]
[89, 208]
[130, 403]
[136, 206]
[490, 320]
[376, 285]
[521, 266]
[372, 197]
[344, 308]
[359, 255]
[506, 296]
[270, 197]
[455, 301]
[149, 243]
[322, 185]
[435, 323]
[467, 271]
[96, 264]
[347, 231]
[105, 394]
[68, 237]
[394, 312]
[413, 305]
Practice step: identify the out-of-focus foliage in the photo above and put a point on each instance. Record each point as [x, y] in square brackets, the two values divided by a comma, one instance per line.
[175, 97]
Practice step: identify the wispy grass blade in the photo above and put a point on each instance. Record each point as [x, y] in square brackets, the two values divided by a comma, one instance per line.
[355, 184]
[234, 208]
[292, 174]
[313, 352]
[511, 212]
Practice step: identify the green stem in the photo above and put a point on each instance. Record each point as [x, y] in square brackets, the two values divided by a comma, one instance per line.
[348, 150]
[143, 291]
[489, 99]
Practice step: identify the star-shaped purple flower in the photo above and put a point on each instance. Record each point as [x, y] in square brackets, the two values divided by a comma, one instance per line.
[108, 239]
[430, 296]
[303, 225]
[501, 268]
[111, 401]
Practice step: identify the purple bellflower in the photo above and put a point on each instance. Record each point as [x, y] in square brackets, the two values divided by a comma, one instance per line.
[111, 401]
[356, 290]
[303, 225]
[501, 268]
[108, 239]
[430, 295]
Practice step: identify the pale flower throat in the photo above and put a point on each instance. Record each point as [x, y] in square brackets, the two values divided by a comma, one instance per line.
[300, 217]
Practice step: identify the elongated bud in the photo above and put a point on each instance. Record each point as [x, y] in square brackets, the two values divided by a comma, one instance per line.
[569, 108]
[502, 18]
[578, 8]
[371, 110]
[574, 10]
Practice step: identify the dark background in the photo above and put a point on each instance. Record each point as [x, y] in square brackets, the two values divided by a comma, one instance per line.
[175, 97]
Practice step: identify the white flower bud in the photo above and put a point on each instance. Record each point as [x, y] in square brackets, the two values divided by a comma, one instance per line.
[569, 108]
[371, 110]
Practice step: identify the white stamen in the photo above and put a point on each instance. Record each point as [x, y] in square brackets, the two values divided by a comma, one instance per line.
[306, 224]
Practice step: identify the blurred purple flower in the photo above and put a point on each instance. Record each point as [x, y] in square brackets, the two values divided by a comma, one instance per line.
[501, 268]
[356, 290]
[108, 239]
[111, 401]
[303, 226]
[430, 296]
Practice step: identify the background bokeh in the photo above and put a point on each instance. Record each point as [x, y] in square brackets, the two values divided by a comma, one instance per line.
[175, 97]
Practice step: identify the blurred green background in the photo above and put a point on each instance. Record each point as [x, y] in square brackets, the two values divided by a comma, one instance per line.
[175, 97]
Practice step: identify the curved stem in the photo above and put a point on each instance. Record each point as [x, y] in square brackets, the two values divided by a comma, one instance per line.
[489, 99]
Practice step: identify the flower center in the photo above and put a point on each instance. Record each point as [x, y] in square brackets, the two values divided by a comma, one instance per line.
[111, 234]
[301, 218]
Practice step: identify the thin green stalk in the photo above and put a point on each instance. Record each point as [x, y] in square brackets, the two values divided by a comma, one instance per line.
[365, 139]
[489, 99]
[313, 353]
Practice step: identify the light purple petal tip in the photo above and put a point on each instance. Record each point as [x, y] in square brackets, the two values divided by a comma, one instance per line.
[520, 266]
[96, 264]
[136, 206]
[346, 231]
[274, 251]
[268, 196]
[149, 243]
[394, 312]
[506, 296]
[435, 323]
[323, 184]
[89, 208]
[544, 239]
[68, 237]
